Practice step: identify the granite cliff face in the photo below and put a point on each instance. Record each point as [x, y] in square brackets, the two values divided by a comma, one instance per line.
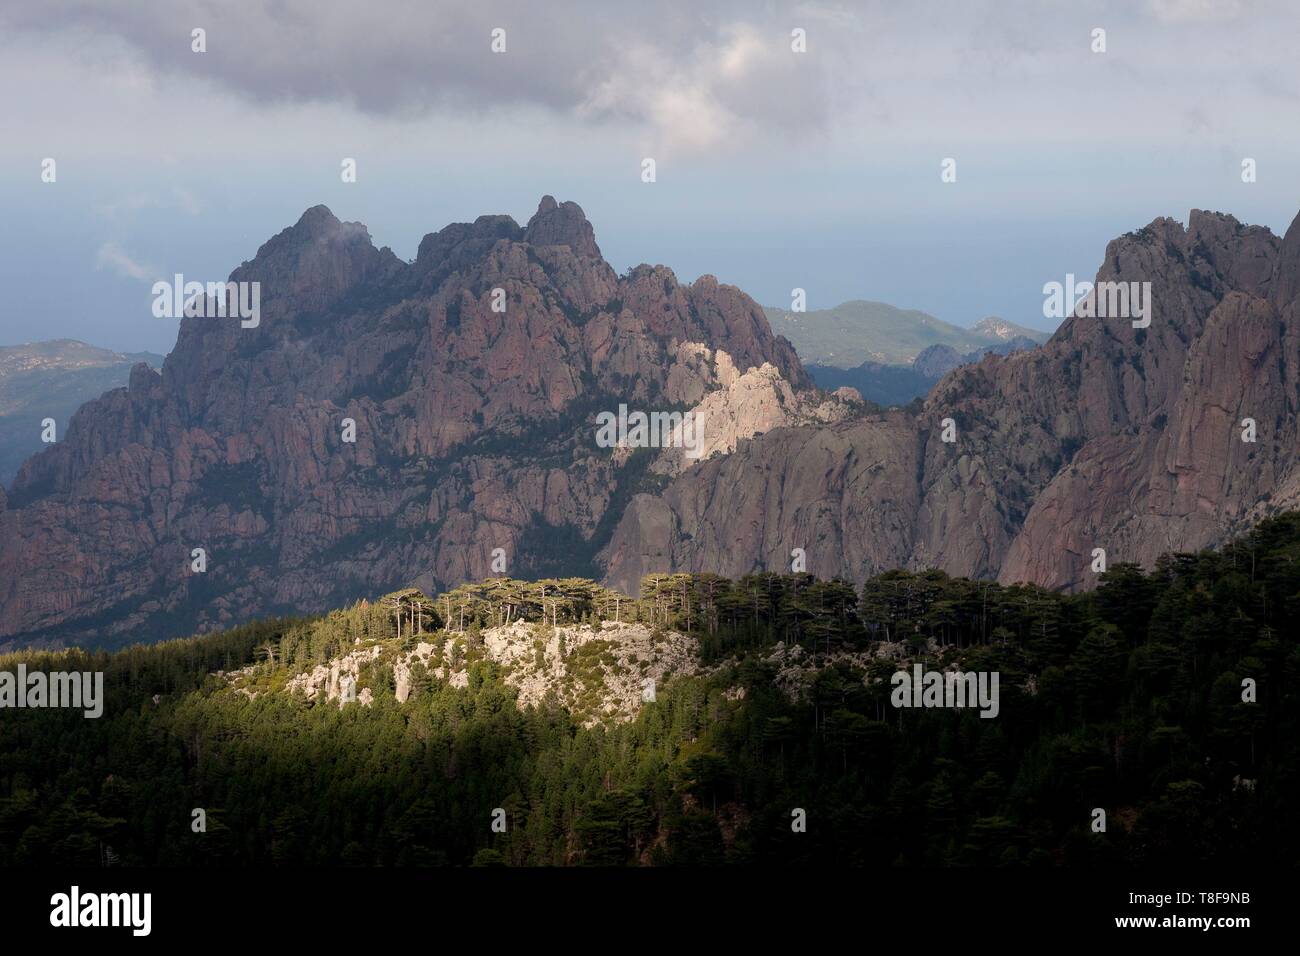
[1109, 436]
[473, 430]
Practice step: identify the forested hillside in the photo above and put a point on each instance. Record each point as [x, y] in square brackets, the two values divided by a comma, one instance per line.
[1127, 698]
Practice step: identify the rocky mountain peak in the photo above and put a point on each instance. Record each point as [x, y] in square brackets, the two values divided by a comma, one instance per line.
[457, 245]
[474, 429]
[317, 234]
[562, 224]
[317, 220]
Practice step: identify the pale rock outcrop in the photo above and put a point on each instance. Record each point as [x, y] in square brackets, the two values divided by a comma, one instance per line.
[337, 680]
[600, 673]
[742, 406]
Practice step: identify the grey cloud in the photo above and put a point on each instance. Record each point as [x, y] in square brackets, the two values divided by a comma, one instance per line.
[697, 74]
[656, 63]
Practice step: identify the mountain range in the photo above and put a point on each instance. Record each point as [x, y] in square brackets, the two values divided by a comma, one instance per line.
[886, 384]
[475, 435]
[857, 332]
[1111, 437]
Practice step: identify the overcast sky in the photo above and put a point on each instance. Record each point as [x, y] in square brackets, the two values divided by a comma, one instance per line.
[775, 169]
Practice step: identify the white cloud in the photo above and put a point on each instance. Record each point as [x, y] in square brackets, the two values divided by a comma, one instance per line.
[728, 86]
[112, 256]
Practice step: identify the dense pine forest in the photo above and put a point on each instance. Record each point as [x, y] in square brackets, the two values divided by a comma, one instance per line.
[1128, 698]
